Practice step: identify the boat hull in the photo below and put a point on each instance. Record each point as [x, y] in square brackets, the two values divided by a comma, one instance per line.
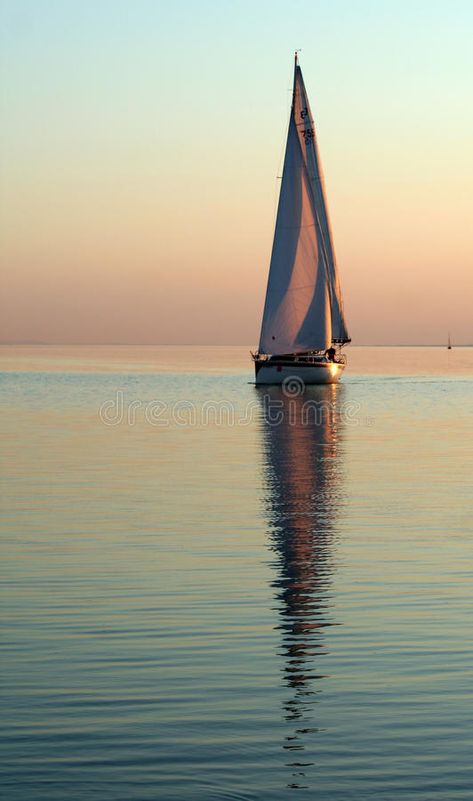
[322, 372]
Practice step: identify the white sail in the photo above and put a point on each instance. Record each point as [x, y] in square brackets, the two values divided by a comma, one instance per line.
[303, 308]
[306, 128]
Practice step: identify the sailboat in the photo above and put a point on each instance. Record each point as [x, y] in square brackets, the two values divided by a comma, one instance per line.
[449, 345]
[303, 327]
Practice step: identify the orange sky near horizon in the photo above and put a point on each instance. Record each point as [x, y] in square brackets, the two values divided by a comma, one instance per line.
[139, 177]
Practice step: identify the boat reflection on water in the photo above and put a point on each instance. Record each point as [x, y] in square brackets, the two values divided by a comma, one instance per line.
[301, 434]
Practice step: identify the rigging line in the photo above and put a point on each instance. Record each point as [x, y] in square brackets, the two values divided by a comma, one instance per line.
[281, 164]
[290, 91]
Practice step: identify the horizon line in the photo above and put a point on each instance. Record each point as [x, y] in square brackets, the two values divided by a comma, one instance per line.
[39, 343]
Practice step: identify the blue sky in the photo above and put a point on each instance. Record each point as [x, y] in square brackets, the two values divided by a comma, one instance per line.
[118, 115]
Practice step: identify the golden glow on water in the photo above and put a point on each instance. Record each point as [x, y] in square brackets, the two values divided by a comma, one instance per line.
[334, 369]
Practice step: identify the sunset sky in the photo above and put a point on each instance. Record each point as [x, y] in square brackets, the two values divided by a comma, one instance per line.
[141, 144]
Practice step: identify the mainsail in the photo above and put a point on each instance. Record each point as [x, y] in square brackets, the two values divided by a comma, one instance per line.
[303, 309]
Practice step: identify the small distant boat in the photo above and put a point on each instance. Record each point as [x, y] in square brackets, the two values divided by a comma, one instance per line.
[303, 327]
[449, 345]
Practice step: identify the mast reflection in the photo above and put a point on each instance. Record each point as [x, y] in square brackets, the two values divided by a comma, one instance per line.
[301, 434]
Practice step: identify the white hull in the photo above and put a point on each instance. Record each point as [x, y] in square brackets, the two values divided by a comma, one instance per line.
[317, 373]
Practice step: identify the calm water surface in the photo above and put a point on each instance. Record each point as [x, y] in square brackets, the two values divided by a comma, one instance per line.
[213, 591]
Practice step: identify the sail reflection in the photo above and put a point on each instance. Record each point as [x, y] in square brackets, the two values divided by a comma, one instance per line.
[303, 475]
